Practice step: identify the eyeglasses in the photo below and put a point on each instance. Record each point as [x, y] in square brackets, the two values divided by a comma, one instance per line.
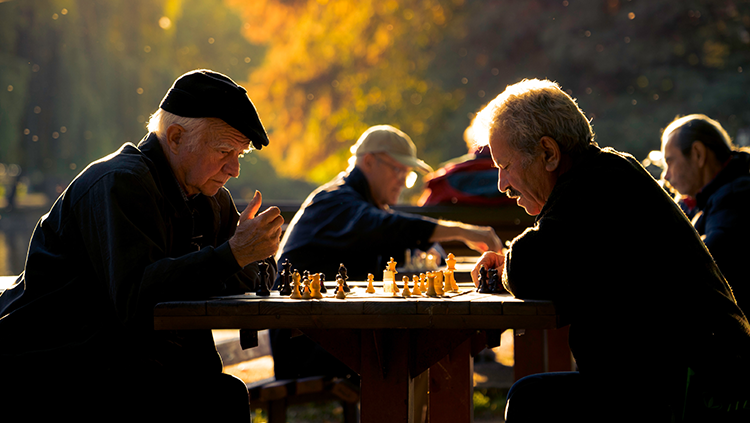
[399, 171]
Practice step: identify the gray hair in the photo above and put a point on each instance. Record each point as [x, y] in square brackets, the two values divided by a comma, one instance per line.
[161, 119]
[531, 109]
[698, 127]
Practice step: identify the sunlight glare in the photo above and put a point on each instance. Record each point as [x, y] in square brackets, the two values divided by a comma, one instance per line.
[411, 179]
[165, 22]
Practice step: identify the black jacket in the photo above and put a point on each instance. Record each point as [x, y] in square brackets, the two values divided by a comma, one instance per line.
[340, 223]
[121, 238]
[725, 221]
[642, 294]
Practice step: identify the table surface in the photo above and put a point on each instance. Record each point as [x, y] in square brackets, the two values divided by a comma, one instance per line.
[465, 310]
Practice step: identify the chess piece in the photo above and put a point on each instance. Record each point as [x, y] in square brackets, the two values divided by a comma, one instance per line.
[342, 273]
[286, 278]
[323, 288]
[423, 281]
[450, 281]
[263, 290]
[406, 292]
[392, 265]
[416, 290]
[306, 291]
[370, 289]
[340, 294]
[451, 261]
[494, 282]
[431, 285]
[483, 287]
[295, 286]
[439, 283]
[315, 287]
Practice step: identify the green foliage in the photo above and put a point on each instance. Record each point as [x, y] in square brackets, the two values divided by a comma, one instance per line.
[81, 77]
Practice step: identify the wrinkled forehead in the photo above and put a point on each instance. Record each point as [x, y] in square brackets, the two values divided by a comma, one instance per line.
[222, 134]
[499, 148]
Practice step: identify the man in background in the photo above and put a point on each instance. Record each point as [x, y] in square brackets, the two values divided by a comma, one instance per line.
[146, 224]
[349, 221]
[701, 164]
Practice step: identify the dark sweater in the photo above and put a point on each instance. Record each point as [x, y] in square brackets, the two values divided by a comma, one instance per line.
[640, 290]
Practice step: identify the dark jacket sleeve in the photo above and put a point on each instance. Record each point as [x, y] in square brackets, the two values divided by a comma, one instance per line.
[123, 228]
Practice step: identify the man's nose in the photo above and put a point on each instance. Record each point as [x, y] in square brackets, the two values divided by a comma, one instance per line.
[502, 182]
[232, 167]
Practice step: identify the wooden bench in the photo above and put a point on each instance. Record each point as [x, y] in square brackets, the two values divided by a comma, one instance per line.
[274, 396]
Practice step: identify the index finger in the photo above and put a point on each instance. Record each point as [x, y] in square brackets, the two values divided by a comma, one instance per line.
[271, 214]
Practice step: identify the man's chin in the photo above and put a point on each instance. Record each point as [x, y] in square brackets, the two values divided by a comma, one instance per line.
[531, 211]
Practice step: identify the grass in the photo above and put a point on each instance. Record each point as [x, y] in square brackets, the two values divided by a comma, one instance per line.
[489, 407]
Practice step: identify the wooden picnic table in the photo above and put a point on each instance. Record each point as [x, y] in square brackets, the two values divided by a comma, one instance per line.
[387, 340]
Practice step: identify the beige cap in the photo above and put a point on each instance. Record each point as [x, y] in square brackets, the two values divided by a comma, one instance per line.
[387, 139]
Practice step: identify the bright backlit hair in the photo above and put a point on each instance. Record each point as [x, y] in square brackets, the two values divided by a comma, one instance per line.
[162, 119]
[531, 109]
[698, 127]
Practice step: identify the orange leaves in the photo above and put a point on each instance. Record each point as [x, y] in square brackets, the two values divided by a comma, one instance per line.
[332, 69]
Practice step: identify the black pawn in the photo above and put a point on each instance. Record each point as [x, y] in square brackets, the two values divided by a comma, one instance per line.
[286, 279]
[342, 273]
[263, 289]
[494, 281]
[483, 282]
[323, 288]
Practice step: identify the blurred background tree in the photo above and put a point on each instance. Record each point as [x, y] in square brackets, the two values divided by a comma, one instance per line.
[80, 77]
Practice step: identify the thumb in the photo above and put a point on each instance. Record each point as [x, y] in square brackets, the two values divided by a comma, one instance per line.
[252, 207]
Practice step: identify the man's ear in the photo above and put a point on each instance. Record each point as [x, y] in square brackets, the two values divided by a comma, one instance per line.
[698, 153]
[551, 153]
[368, 162]
[175, 134]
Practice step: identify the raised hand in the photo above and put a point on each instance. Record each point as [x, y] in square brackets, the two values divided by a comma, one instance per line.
[257, 237]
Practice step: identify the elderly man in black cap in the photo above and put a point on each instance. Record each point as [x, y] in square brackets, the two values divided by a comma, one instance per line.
[148, 223]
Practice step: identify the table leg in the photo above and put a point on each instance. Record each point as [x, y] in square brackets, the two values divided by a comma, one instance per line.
[541, 350]
[452, 387]
[384, 376]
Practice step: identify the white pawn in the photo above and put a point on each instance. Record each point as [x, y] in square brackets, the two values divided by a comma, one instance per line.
[416, 290]
[406, 292]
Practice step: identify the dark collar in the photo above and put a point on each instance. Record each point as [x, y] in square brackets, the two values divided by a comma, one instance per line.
[738, 165]
[357, 181]
[171, 189]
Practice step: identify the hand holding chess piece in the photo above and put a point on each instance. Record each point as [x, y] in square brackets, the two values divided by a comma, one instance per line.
[489, 260]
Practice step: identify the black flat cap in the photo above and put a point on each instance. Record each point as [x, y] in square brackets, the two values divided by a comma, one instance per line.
[204, 93]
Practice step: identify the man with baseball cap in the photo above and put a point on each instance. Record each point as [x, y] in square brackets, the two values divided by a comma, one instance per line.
[349, 221]
[146, 224]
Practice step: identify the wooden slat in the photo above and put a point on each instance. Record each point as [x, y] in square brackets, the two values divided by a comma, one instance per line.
[181, 308]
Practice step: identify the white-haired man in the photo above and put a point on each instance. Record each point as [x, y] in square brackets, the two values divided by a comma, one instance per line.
[148, 223]
[646, 303]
